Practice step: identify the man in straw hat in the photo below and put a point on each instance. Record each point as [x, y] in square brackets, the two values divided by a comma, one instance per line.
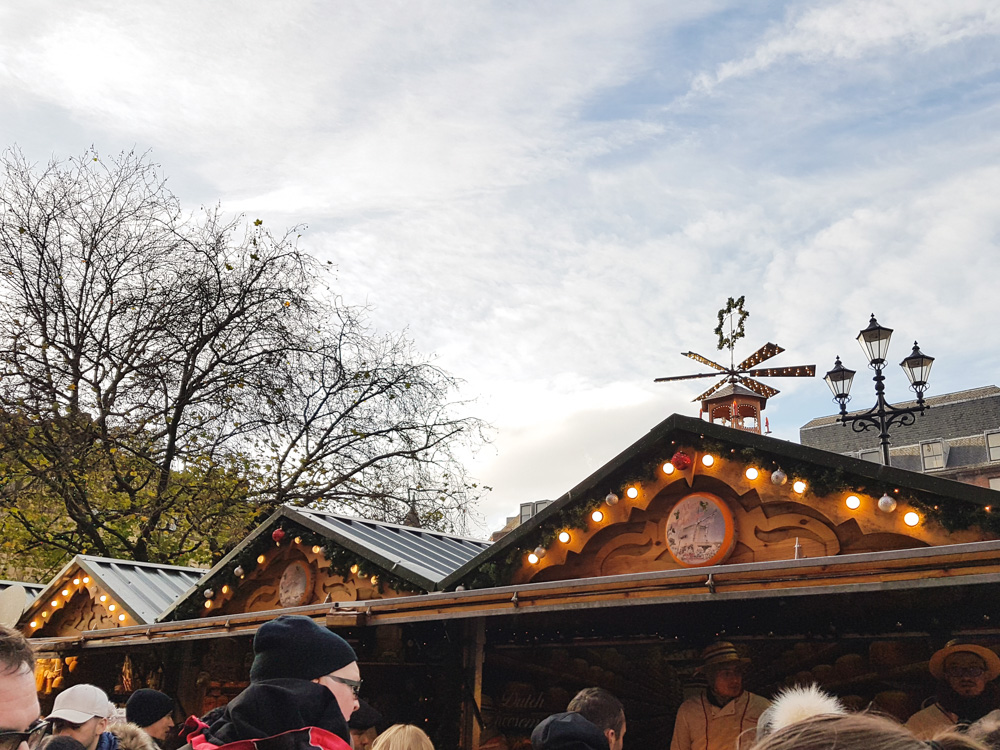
[719, 718]
[966, 691]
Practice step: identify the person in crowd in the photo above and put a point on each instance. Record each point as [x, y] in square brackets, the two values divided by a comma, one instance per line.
[719, 718]
[859, 731]
[567, 731]
[966, 688]
[19, 710]
[604, 711]
[987, 730]
[63, 742]
[84, 713]
[794, 704]
[403, 737]
[304, 684]
[151, 711]
[364, 725]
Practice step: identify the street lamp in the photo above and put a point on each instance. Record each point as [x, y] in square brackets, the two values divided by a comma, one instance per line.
[874, 341]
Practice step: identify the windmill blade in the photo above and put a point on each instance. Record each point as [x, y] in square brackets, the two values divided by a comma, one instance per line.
[795, 371]
[711, 390]
[761, 355]
[705, 361]
[757, 387]
[687, 377]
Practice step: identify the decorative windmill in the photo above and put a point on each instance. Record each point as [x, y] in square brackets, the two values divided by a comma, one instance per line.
[737, 400]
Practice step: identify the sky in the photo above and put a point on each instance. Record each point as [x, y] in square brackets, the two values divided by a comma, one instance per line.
[554, 199]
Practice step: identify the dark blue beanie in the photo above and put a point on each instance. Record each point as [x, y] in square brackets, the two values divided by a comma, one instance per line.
[568, 731]
[146, 706]
[295, 646]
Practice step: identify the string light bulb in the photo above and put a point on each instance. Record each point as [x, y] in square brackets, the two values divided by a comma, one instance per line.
[597, 516]
[911, 518]
[121, 618]
[799, 486]
[76, 581]
[632, 492]
[103, 597]
[533, 558]
[853, 502]
[260, 559]
[708, 459]
[564, 537]
[112, 608]
[354, 568]
[34, 623]
[86, 579]
[751, 473]
[316, 549]
[668, 468]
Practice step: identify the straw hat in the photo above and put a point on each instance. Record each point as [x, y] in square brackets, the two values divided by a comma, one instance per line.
[936, 665]
[723, 653]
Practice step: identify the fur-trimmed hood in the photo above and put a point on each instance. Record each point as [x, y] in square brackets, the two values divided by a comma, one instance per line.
[795, 704]
[132, 737]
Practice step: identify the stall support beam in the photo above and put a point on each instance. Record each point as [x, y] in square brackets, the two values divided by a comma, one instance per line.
[472, 668]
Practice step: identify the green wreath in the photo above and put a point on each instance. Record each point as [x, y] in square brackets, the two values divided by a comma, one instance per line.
[732, 306]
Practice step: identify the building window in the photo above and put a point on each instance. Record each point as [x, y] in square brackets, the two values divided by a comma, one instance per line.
[993, 445]
[932, 455]
[995, 483]
[874, 456]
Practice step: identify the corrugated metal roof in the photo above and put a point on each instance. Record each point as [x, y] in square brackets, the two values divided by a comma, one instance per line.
[33, 589]
[143, 590]
[420, 556]
[431, 555]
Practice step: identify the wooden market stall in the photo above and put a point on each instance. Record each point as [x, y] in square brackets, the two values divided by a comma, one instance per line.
[818, 566]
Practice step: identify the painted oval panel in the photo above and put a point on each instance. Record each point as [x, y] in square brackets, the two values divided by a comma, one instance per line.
[700, 530]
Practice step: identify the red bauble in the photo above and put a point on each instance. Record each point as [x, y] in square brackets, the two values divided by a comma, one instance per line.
[681, 460]
[277, 535]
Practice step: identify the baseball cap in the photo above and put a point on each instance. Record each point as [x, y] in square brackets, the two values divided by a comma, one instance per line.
[81, 703]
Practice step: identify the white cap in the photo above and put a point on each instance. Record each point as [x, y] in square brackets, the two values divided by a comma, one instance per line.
[81, 703]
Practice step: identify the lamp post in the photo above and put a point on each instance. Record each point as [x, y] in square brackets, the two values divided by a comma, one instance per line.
[874, 341]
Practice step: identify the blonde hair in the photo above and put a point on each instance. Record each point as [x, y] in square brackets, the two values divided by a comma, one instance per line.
[859, 732]
[403, 737]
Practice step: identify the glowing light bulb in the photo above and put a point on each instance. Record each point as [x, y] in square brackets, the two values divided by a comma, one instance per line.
[564, 537]
[76, 581]
[752, 473]
[374, 580]
[668, 468]
[533, 558]
[121, 618]
[911, 519]
[225, 589]
[208, 604]
[65, 592]
[354, 568]
[316, 549]
[34, 623]
[45, 614]
[708, 459]
[632, 492]
[597, 516]
[799, 486]
[298, 540]
[55, 602]
[86, 579]
[853, 502]
[103, 597]
[112, 608]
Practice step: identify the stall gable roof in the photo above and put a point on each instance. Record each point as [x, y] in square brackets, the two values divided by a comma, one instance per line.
[419, 556]
[142, 589]
[32, 589]
[657, 444]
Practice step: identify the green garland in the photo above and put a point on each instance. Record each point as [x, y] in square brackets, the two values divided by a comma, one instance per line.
[340, 561]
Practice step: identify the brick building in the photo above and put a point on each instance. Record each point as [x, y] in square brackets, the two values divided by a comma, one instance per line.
[957, 438]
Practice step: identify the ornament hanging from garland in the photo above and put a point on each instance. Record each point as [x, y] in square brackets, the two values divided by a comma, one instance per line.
[277, 535]
[778, 477]
[681, 460]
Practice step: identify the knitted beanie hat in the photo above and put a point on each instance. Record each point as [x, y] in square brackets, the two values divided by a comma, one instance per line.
[295, 646]
[145, 707]
[568, 731]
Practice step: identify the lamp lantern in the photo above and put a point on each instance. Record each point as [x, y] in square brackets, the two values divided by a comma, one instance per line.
[917, 368]
[874, 341]
[839, 379]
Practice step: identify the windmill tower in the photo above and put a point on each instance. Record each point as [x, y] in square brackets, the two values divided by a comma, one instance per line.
[738, 399]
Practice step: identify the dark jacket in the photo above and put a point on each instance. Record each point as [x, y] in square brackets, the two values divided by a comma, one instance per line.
[283, 714]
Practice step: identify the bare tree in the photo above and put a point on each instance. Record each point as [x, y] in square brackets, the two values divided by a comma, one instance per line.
[167, 380]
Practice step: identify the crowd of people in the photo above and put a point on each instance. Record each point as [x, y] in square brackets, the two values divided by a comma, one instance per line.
[305, 681]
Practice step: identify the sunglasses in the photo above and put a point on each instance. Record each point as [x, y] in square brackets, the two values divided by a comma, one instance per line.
[34, 735]
[354, 685]
[965, 672]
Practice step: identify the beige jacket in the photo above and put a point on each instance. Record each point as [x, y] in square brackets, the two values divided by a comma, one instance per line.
[700, 725]
[131, 737]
